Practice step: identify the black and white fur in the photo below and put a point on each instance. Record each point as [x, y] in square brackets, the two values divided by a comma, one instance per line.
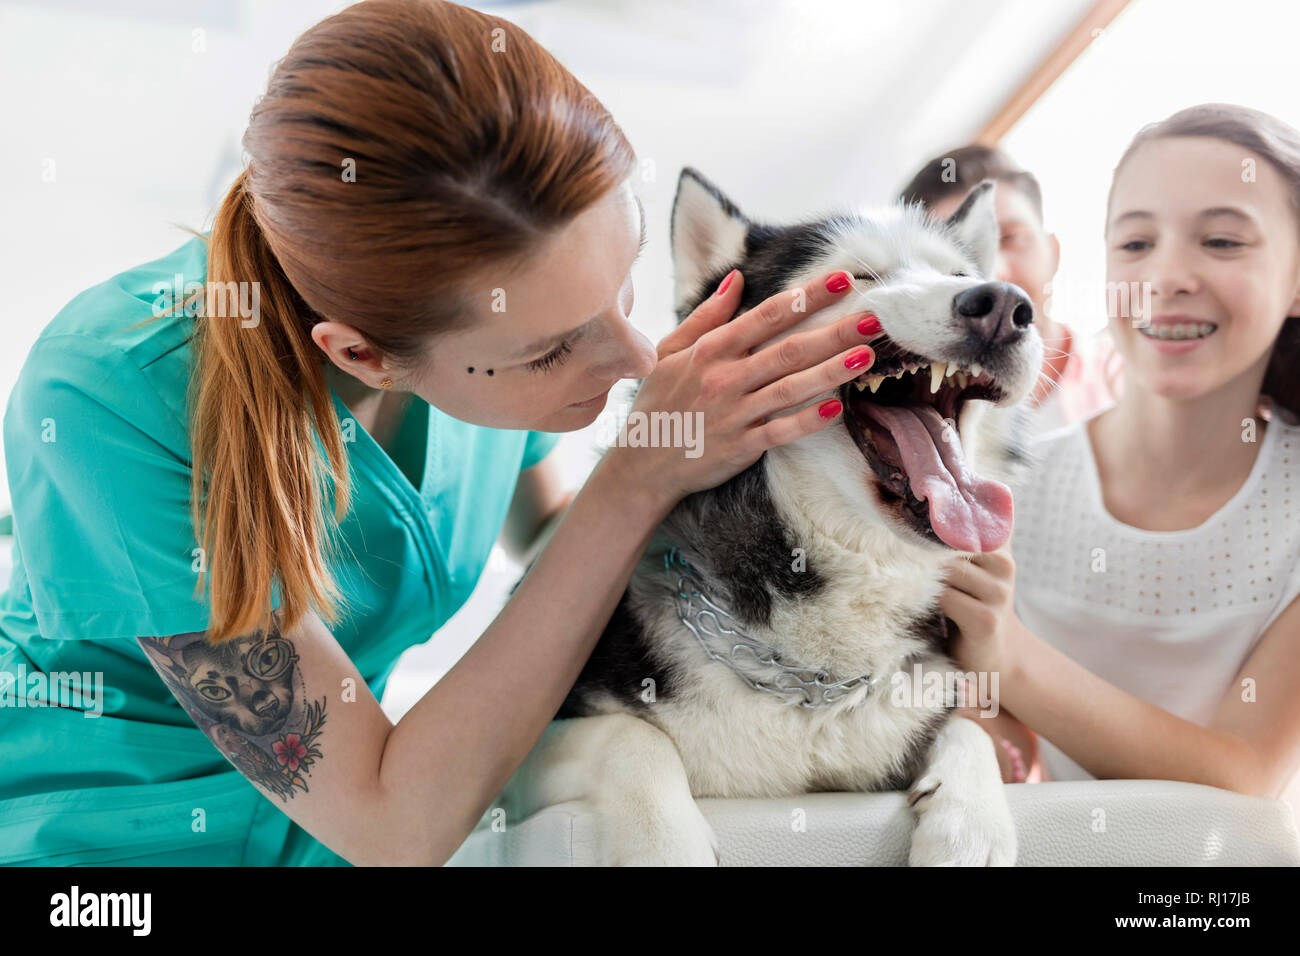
[865, 600]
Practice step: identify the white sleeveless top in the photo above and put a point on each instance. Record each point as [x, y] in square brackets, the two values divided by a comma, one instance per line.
[1169, 616]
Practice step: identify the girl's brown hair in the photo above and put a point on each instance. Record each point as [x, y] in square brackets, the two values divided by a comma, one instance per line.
[403, 149]
[1279, 144]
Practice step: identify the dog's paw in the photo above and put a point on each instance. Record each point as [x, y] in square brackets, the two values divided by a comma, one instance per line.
[951, 831]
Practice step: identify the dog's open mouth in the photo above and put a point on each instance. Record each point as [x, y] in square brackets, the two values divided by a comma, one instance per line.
[903, 416]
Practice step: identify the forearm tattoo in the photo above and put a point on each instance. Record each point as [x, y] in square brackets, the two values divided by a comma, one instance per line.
[248, 696]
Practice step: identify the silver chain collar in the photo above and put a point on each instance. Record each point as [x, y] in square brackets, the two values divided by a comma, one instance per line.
[806, 686]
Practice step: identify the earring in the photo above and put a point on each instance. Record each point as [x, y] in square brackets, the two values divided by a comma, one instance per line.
[386, 383]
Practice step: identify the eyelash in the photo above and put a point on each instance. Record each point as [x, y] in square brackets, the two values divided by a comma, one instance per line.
[561, 351]
[1219, 242]
[551, 358]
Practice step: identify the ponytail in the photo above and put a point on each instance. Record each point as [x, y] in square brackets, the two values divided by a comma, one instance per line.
[255, 393]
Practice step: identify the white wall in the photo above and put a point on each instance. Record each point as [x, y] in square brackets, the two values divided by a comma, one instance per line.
[115, 126]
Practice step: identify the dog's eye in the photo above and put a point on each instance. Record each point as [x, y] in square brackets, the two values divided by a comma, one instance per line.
[960, 275]
[864, 278]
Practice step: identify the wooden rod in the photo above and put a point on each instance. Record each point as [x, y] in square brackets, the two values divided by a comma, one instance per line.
[1098, 17]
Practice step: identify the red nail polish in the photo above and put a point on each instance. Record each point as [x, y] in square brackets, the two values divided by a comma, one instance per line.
[829, 409]
[725, 282]
[859, 358]
[869, 325]
[838, 282]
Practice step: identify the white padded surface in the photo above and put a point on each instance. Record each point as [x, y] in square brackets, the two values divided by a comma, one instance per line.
[1066, 823]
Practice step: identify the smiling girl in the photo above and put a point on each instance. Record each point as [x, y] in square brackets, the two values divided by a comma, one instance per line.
[1149, 625]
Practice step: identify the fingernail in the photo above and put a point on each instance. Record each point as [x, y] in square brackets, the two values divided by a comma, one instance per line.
[859, 358]
[838, 282]
[829, 409]
[725, 282]
[869, 325]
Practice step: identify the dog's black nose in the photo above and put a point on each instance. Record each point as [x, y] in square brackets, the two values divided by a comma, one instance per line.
[998, 312]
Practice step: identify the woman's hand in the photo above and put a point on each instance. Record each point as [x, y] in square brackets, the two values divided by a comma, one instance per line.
[706, 372]
[979, 598]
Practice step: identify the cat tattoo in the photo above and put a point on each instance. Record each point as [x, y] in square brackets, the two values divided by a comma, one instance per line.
[246, 694]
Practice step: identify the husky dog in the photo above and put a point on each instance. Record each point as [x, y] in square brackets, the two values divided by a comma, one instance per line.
[770, 639]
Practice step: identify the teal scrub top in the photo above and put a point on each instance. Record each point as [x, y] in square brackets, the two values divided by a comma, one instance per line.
[96, 440]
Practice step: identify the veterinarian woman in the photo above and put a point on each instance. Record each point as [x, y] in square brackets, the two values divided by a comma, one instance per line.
[439, 224]
[1149, 624]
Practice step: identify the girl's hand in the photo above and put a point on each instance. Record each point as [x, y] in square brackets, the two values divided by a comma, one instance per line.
[706, 373]
[979, 599]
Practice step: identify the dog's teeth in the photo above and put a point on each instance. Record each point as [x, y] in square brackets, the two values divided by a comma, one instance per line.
[859, 385]
[873, 382]
[975, 370]
[962, 379]
[936, 376]
[951, 370]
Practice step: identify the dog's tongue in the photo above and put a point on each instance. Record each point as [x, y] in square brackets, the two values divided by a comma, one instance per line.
[967, 512]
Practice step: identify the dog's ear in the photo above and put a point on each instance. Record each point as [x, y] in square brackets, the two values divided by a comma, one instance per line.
[708, 239]
[975, 223]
